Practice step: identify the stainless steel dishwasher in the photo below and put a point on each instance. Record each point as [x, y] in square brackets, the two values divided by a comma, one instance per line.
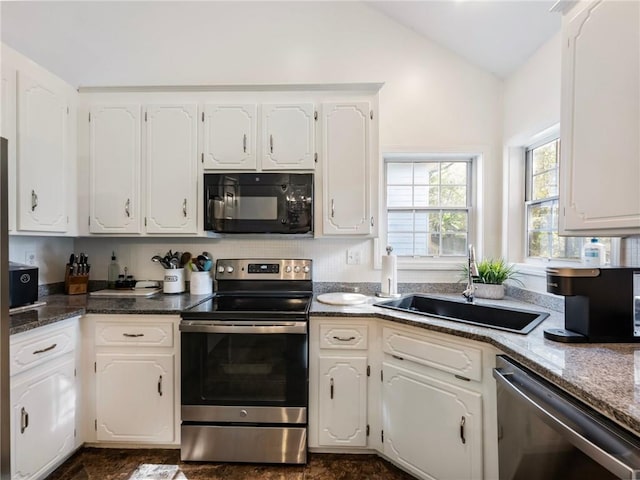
[543, 433]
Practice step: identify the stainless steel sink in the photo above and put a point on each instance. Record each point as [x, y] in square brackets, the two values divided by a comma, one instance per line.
[514, 320]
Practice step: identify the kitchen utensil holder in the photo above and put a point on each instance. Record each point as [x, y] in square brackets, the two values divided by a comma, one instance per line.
[201, 283]
[173, 280]
[76, 284]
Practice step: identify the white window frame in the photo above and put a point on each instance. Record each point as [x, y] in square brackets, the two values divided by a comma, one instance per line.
[444, 263]
[514, 210]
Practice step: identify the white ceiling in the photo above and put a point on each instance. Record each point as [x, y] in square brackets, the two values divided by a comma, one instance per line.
[498, 36]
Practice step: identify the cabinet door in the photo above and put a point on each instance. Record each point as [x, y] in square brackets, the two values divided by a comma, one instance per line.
[417, 408]
[288, 136]
[172, 156]
[230, 136]
[343, 401]
[114, 169]
[8, 124]
[42, 151]
[135, 397]
[43, 407]
[600, 120]
[347, 182]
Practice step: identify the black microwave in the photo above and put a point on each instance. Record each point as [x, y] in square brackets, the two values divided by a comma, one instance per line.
[258, 203]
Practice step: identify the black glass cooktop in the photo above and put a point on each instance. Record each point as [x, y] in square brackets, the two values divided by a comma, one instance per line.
[251, 305]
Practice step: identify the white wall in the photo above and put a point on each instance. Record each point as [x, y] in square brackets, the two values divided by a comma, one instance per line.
[51, 255]
[432, 99]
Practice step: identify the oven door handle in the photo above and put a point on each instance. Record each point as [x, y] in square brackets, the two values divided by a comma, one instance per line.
[244, 327]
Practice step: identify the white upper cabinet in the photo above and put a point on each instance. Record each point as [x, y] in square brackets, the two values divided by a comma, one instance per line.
[8, 125]
[230, 136]
[172, 168]
[42, 156]
[346, 163]
[288, 136]
[600, 122]
[114, 168]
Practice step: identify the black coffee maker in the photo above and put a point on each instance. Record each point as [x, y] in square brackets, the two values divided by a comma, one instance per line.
[600, 305]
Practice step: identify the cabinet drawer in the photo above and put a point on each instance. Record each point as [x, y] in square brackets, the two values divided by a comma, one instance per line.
[351, 337]
[40, 345]
[453, 357]
[157, 334]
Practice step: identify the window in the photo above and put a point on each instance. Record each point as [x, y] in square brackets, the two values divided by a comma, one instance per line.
[542, 173]
[428, 206]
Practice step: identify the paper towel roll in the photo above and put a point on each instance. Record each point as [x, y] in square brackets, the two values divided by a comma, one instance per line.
[389, 280]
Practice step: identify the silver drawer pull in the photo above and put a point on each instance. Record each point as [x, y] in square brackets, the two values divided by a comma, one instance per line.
[126, 207]
[331, 388]
[271, 143]
[24, 420]
[160, 385]
[244, 143]
[333, 208]
[34, 200]
[344, 339]
[133, 335]
[50, 347]
[462, 422]
[184, 208]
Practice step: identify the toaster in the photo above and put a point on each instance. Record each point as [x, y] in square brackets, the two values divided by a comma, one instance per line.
[23, 284]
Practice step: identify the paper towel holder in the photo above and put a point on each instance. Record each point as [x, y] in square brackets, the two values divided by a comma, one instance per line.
[388, 295]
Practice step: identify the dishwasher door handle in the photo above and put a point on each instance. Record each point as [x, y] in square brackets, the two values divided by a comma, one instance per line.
[595, 452]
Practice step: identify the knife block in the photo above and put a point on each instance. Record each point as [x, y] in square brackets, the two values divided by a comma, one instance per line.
[76, 284]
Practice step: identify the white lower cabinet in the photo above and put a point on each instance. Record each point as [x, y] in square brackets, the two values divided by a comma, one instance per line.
[43, 400]
[431, 428]
[135, 397]
[135, 383]
[339, 386]
[343, 401]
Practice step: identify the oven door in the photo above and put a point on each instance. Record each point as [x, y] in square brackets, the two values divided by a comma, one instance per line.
[261, 367]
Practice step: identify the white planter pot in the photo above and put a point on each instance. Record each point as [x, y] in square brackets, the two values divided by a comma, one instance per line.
[487, 290]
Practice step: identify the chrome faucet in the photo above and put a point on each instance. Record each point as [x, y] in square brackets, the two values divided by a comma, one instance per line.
[472, 271]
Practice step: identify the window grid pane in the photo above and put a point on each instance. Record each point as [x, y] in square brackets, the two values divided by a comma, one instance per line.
[428, 207]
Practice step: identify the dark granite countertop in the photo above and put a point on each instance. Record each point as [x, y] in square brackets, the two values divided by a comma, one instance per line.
[605, 376]
[61, 307]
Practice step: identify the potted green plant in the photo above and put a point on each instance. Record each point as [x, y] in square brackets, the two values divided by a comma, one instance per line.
[492, 273]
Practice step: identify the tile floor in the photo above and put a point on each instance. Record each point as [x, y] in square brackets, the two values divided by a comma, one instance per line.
[161, 464]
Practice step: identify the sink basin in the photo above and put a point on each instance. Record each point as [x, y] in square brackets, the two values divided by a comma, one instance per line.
[514, 320]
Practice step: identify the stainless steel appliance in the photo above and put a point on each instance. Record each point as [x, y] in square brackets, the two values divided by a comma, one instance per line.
[23, 284]
[600, 304]
[543, 434]
[244, 365]
[258, 203]
[5, 448]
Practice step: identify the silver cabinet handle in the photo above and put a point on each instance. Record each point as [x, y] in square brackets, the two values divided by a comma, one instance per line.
[333, 208]
[331, 388]
[462, 422]
[126, 207]
[34, 200]
[244, 144]
[160, 385]
[343, 339]
[50, 347]
[184, 208]
[24, 420]
[133, 335]
[372, 221]
[271, 143]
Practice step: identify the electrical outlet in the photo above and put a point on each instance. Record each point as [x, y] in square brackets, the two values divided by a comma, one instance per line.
[353, 257]
[30, 258]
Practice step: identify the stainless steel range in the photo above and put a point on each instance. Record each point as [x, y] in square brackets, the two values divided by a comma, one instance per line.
[245, 365]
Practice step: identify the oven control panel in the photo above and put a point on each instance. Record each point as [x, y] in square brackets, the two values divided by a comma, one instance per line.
[263, 269]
